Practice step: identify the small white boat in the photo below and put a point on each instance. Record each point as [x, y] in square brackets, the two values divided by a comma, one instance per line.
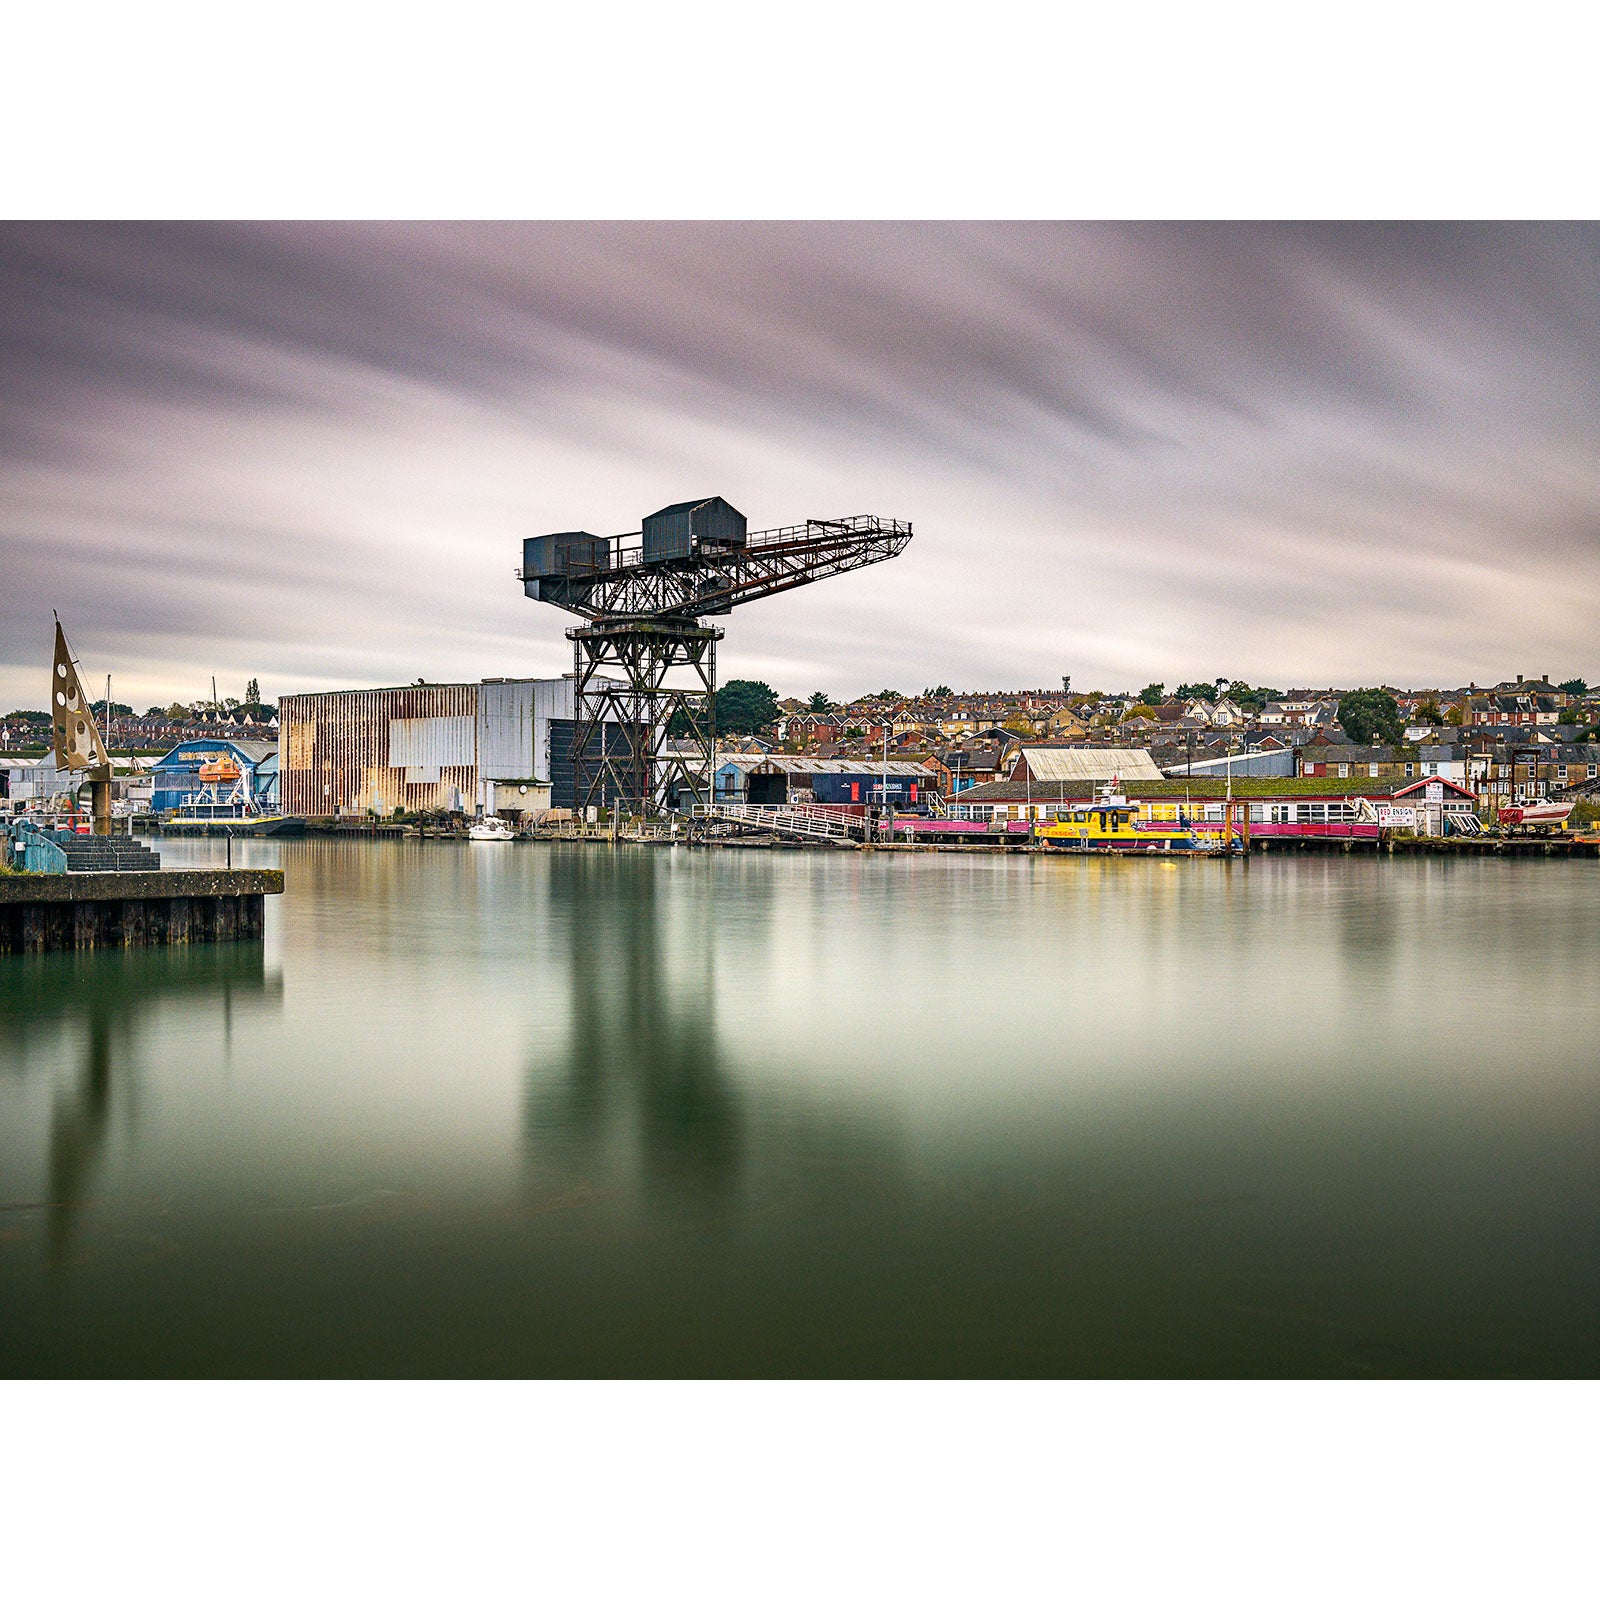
[491, 830]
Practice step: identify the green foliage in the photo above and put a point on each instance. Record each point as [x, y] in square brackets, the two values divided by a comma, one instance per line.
[1152, 694]
[98, 707]
[1197, 691]
[854, 733]
[1573, 686]
[1430, 715]
[1570, 716]
[942, 692]
[1455, 717]
[252, 693]
[1248, 699]
[41, 717]
[1371, 716]
[744, 706]
[819, 702]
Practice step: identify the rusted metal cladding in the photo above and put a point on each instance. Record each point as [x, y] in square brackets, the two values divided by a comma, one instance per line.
[359, 750]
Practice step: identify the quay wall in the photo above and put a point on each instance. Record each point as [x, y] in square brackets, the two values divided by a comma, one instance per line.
[94, 910]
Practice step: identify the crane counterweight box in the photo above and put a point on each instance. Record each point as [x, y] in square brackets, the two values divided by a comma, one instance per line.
[556, 555]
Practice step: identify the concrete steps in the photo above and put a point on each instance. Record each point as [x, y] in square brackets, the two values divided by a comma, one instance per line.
[118, 853]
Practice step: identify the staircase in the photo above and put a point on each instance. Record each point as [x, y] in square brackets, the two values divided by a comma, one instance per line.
[116, 853]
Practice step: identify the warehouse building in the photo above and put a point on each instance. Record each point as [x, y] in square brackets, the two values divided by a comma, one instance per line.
[504, 744]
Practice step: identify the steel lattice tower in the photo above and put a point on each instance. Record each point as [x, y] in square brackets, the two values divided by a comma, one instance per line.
[646, 596]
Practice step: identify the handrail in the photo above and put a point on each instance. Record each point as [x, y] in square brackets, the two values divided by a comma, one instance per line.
[39, 853]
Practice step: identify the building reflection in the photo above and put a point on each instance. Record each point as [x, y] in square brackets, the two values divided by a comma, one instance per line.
[638, 1082]
[87, 1009]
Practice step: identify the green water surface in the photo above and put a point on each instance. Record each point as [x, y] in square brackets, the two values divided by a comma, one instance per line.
[569, 1111]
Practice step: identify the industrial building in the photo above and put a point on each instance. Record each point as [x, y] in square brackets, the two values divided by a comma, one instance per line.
[504, 744]
[801, 780]
[177, 774]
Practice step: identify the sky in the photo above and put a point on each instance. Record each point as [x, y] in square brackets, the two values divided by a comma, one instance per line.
[1298, 454]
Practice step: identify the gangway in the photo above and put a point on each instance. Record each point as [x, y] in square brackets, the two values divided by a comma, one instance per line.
[802, 822]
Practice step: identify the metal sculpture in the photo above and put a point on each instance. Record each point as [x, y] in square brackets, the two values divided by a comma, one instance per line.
[646, 596]
[77, 741]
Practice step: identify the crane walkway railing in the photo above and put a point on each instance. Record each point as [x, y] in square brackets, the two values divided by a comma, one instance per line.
[803, 822]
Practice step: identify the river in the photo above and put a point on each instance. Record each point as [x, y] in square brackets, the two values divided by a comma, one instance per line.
[563, 1110]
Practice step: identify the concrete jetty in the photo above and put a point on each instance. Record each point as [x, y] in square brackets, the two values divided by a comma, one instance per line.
[92, 910]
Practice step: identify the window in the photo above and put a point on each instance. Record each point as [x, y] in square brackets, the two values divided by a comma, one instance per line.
[1372, 769]
[1411, 769]
[1344, 769]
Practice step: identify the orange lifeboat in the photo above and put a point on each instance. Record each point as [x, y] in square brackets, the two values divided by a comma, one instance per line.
[223, 769]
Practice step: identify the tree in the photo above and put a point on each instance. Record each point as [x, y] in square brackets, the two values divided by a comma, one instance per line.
[1570, 716]
[1574, 686]
[1248, 699]
[1371, 716]
[1454, 717]
[28, 716]
[1197, 691]
[744, 706]
[1152, 694]
[252, 693]
[819, 702]
[1430, 715]
[942, 692]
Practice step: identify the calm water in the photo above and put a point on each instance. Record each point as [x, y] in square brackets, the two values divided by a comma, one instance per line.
[557, 1110]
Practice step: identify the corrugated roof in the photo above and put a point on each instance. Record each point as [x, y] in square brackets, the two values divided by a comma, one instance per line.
[1070, 763]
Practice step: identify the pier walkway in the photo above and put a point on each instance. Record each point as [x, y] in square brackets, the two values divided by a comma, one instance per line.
[821, 823]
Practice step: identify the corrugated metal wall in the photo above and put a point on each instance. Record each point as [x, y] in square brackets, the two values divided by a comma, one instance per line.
[430, 748]
[335, 754]
[432, 742]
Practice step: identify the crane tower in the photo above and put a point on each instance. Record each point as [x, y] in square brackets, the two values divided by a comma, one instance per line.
[646, 598]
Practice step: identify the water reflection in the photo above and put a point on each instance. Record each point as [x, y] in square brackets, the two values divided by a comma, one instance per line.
[93, 1007]
[638, 1078]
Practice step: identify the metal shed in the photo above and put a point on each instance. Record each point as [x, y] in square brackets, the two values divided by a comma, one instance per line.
[679, 530]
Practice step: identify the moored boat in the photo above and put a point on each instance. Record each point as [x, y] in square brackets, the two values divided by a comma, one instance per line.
[1110, 821]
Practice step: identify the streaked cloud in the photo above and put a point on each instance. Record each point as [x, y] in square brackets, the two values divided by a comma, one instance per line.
[309, 453]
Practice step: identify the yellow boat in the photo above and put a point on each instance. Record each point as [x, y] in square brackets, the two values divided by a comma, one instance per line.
[1110, 821]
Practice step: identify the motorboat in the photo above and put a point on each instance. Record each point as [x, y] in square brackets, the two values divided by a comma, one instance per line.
[491, 830]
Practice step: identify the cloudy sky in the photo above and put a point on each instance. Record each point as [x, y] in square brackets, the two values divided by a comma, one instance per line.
[1290, 453]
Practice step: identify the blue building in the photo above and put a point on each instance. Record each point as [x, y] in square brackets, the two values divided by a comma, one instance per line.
[177, 773]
